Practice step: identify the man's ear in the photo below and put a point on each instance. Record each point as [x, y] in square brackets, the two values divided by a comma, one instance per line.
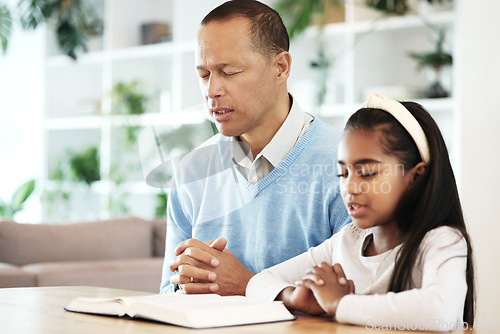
[283, 63]
[418, 170]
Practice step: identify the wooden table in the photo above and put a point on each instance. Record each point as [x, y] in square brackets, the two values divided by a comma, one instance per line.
[40, 311]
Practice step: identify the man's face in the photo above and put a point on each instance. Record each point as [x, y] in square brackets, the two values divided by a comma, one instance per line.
[238, 83]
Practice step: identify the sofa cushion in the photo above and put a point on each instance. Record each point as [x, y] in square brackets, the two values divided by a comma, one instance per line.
[12, 276]
[130, 274]
[159, 235]
[22, 244]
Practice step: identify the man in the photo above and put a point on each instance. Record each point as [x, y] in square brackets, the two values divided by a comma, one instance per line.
[270, 187]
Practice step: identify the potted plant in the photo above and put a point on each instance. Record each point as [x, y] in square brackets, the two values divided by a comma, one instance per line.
[128, 98]
[435, 61]
[85, 166]
[74, 20]
[75, 167]
[80, 166]
[8, 210]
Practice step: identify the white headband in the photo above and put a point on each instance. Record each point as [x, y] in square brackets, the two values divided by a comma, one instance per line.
[405, 118]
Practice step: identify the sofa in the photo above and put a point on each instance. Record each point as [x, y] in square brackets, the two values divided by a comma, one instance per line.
[124, 253]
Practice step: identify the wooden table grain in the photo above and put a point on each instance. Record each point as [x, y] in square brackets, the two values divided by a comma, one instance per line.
[41, 311]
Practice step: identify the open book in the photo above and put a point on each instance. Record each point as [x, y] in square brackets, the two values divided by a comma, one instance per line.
[193, 311]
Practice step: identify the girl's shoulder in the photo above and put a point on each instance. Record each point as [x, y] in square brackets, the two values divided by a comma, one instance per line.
[444, 232]
[444, 237]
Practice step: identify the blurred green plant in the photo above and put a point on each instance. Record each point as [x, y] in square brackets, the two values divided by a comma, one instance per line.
[117, 204]
[297, 16]
[125, 163]
[131, 133]
[74, 22]
[85, 165]
[8, 210]
[322, 64]
[82, 166]
[5, 26]
[300, 14]
[53, 199]
[161, 206]
[128, 98]
[214, 128]
[435, 60]
[125, 166]
[58, 195]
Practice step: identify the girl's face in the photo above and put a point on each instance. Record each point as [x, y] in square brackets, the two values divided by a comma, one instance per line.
[371, 182]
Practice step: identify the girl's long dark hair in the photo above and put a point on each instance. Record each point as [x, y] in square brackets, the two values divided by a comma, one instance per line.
[433, 199]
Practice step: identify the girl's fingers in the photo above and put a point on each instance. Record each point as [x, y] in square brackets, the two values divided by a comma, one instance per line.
[311, 271]
[351, 286]
[313, 278]
[302, 282]
[306, 283]
[339, 271]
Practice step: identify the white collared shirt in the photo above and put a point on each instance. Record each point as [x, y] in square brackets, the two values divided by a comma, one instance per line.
[293, 128]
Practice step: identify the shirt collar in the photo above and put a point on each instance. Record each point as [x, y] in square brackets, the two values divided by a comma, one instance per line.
[287, 136]
[241, 156]
[280, 145]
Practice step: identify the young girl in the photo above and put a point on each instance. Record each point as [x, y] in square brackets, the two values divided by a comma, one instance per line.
[407, 252]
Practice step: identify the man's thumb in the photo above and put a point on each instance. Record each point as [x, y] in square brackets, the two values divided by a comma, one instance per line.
[219, 244]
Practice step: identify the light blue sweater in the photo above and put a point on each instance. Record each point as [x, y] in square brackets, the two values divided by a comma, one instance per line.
[295, 207]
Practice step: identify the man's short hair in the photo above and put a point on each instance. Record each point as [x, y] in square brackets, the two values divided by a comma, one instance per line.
[268, 33]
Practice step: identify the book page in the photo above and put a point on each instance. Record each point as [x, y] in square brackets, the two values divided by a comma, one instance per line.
[202, 311]
[193, 311]
[111, 306]
[121, 305]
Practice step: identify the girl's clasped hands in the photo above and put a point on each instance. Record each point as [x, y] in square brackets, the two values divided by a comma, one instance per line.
[321, 289]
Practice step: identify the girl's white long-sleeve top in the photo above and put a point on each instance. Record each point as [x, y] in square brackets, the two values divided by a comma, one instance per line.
[435, 302]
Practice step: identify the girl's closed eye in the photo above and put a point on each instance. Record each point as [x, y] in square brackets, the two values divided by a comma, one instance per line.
[368, 171]
[342, 173]
[364, 174]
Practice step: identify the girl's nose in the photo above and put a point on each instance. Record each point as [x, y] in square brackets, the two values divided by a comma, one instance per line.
[352, 188]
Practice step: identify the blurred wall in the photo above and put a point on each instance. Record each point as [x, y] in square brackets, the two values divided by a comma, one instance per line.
[21, 108]
[479, 86]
